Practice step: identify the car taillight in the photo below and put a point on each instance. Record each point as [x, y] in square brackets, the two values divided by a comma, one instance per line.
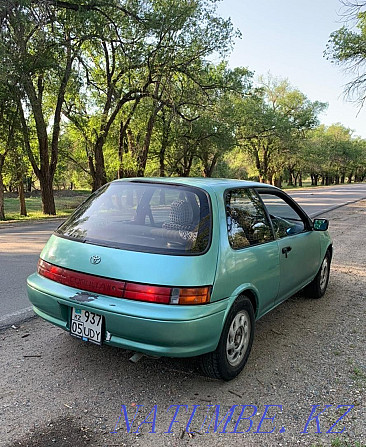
[152, 294]
[191, 295]
[124, 289]
[80, 280]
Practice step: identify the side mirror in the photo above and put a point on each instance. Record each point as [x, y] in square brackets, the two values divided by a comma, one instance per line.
[320, 224]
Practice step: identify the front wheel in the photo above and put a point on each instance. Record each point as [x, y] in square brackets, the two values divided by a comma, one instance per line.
[236, 340]
[318, 285]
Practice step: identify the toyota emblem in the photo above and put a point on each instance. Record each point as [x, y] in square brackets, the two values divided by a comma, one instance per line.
[95, 259]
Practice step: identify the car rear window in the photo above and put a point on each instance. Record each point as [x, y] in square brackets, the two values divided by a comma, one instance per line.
[142, 216]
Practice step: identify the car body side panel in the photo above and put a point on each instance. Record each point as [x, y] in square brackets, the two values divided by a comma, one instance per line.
[300, 264]
[254, 268]
[325, 243]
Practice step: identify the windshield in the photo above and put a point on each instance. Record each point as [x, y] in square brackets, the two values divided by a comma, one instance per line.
[142, 216]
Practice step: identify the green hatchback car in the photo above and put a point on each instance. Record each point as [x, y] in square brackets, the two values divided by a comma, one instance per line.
[179, 267]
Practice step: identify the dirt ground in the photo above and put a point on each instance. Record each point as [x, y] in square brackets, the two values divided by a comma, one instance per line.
[308, 356]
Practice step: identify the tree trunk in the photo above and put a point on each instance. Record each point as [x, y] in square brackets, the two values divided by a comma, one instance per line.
[265, 164]
[23, 209]
[2, 211]
[48, 201]
[358, 177]
[209, 167]
[278, 181]
[162, 161]
[48, 156]
[295, 179]
[100, 176]
[163, 148]
[143, 154]
[290, 178]
[188, 166]
[43, 172]
[121, 149]
[124, 140]
[258, 165]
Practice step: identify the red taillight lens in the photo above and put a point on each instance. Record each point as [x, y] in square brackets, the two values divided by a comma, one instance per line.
[152, 294]
[123, 289]
[82, 281]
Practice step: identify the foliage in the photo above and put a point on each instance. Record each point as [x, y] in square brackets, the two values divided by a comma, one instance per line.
[347, 47]
[275, 119]
[101, 89]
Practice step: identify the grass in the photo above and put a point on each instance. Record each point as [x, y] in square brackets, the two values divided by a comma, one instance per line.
[358, 375]
[65, 205]
[305, 184]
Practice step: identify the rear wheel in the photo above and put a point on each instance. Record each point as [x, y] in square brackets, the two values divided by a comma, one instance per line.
[318, 286]
[236, 340]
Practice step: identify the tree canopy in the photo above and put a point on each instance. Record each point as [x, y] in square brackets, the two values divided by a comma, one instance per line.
[347, 47]
[93, 90]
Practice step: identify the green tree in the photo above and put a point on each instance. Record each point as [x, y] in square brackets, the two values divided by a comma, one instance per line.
[41, 45]
[134, 68]
[9, 132]
[38, 49]
[275, 119]
[347, 47]
[332, 154]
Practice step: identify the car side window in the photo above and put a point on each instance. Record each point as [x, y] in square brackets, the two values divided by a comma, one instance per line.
[285, 219]
[247, 223]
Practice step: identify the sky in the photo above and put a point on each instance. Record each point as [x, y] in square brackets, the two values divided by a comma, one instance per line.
[287, 38]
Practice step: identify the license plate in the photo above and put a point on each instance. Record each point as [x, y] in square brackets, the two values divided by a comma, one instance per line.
[86, 325]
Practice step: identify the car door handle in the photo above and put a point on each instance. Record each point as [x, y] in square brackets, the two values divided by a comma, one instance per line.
[286, 250]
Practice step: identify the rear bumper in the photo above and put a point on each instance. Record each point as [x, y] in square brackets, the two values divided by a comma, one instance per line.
[155, 329]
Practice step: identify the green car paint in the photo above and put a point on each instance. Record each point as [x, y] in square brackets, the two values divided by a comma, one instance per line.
[263, 272]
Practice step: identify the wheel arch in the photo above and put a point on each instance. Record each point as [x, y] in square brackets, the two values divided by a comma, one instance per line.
[330, 249]
[245, 290]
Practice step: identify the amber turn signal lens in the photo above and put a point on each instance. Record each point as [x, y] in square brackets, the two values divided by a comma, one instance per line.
[195, 295]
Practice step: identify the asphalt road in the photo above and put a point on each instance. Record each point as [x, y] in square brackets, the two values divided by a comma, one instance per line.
[20, 246]
[21, 243]
[317, 201]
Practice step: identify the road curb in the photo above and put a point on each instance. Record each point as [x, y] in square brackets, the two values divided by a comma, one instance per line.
[21, 223]
[336, 207]
[16, 317]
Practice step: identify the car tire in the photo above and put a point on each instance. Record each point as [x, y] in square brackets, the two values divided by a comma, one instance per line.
[235, 343]
[316, 289]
